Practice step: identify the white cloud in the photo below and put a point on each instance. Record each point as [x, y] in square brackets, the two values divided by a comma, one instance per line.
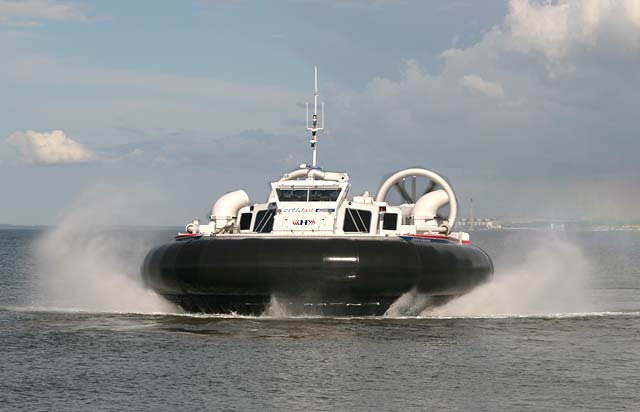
[27, 13]
[478, 84]
[556, 29]
[569, 68]
[49, 147]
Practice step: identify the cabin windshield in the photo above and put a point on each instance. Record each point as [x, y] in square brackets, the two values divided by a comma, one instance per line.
[313, 194]
[323, 195]
[292, 195]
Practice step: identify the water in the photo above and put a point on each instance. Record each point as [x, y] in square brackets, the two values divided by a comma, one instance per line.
[557, 329]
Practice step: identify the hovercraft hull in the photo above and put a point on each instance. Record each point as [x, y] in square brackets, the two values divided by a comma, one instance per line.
[337, 276]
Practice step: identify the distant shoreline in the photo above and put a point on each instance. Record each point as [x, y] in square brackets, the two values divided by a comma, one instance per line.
[23, 227]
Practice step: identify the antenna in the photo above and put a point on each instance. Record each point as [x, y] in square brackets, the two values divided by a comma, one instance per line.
[313, 128]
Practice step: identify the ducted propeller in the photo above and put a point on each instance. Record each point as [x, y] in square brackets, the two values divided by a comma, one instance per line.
[428, 182]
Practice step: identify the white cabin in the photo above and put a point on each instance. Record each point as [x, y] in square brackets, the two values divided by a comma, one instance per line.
[310, 202]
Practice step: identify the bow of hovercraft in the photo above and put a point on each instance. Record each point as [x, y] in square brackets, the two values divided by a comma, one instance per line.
[318, 252]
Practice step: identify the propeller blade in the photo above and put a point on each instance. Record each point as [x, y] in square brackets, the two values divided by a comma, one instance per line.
[414, 184]
[432, 185]
[403, 192]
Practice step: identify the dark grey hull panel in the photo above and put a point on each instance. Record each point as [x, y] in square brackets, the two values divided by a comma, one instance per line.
[337, 276]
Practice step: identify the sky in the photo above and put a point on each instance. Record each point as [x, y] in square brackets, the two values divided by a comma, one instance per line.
[530, 107]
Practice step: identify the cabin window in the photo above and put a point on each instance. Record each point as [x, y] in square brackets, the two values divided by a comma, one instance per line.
[264, 221]
[356, 220]
[245, 221]
[389, 221]
[323, 195]
[292, 195]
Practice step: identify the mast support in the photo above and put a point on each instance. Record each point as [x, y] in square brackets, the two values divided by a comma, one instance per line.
[313, 127]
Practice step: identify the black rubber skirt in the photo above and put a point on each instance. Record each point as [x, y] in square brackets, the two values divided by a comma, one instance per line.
[336, 276]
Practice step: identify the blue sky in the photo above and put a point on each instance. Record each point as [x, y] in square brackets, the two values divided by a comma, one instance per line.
[527, 106]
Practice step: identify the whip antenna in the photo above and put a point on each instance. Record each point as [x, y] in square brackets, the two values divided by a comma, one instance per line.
[313, 128]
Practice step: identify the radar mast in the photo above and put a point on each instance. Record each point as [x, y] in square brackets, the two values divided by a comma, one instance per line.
[313, 128]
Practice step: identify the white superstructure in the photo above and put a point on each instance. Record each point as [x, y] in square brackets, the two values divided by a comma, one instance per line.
[312, 202]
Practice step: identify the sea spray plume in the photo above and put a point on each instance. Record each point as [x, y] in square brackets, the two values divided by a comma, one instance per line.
[86, 263]
[411, 303]
[277, 308]
[552, 279]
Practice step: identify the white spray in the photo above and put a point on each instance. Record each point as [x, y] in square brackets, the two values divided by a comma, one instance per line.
[551, 279]
[85, 264]
[411, 303]
[277, 308]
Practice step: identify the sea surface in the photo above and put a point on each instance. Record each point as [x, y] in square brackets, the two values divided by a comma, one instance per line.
[557, 329]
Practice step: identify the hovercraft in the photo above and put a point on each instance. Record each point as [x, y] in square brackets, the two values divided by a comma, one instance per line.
[316, 252]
